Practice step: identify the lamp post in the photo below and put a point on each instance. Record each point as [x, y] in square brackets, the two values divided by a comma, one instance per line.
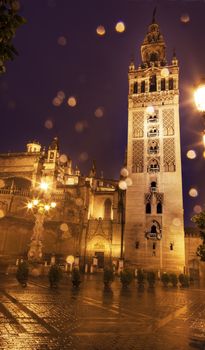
[40, 207]
[121, 207]
[199, 97]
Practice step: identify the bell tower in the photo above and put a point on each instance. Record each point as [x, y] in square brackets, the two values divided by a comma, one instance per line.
[154, 232]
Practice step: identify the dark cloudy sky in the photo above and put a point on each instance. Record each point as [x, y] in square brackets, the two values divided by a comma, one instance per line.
[59, 50]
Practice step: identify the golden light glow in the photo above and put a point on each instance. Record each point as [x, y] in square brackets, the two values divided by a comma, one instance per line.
[63, 158]
[44, 186]
[191, 154]
[120, 27]
[2, 183]
[30, 205]
[164, 72]
[193, 192]
[64, 227]
[204, 138]
[199, 97]
[61, 95]
[150, 110]
[101, 30]
[47, 207]
[53, 204]
[2, 213]
[122, 185]
[72, 101]
[35, 201]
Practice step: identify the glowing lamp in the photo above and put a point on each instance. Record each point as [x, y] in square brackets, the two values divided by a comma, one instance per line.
[30, 205]
[47, 207]
[199, 97]
[35, 202]
[53, 204]
[44, 186]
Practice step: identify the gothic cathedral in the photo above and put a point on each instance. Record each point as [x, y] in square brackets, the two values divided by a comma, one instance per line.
[154, 232]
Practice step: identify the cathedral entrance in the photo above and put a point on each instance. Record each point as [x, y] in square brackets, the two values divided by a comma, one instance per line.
[100, 257]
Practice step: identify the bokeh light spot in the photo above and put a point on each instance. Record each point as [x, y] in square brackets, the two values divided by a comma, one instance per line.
[64, 227]
[72, 101]
[81, 126]
[57, 101]
[164, 72]
[193, 192]
[61, 95]
[150, 110]
[197, 209]
[79, 202]
[62, 41]
[191, 154]
[122, 185]
[83, 157]
[128, 181]
[120, 27]
[99, 112]
[101, 30]
[48, 124]
[63, 158]
[185, 18]
[176, 222]
[124, 172]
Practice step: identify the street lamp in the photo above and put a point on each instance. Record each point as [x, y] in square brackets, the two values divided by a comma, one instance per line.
[40, 207]
[122, 186]
[199, 97]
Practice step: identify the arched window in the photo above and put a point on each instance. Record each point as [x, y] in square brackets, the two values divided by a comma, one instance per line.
[153, 56]
[163, 84]
[148, 208]
[107, 209]
[159, 208]
[153, 166]
[153, 229]
[143, 86]
[153, 83]
[171, 84]
[153, 186]
[135, 88]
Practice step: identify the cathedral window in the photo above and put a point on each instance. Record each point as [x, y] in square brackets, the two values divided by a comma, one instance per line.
[171, 84]
[107, 209]
[153, 166]
[135, 88]
[153, 132]
[148, 208]
[143, 86]
[152, 118]
[153, 147]
[171, 246]
[159, 208]
[154, 57]
[154, 246]
[153, 186]
[163, 84]
[153, 83]
[137, 244]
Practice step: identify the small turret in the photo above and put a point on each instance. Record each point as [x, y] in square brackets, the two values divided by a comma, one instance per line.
[33, 147]
[93, 171]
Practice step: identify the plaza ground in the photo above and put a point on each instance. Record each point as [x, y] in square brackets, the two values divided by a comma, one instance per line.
[91, 318]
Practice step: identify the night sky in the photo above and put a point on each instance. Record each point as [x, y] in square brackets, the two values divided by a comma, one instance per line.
[59, 50]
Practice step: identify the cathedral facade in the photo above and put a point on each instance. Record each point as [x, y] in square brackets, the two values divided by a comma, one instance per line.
[92, 219]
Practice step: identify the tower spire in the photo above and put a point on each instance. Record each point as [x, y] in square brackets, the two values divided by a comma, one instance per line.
[154, 14]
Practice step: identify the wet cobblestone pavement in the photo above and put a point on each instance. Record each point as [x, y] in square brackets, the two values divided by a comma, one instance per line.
[90, 318]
